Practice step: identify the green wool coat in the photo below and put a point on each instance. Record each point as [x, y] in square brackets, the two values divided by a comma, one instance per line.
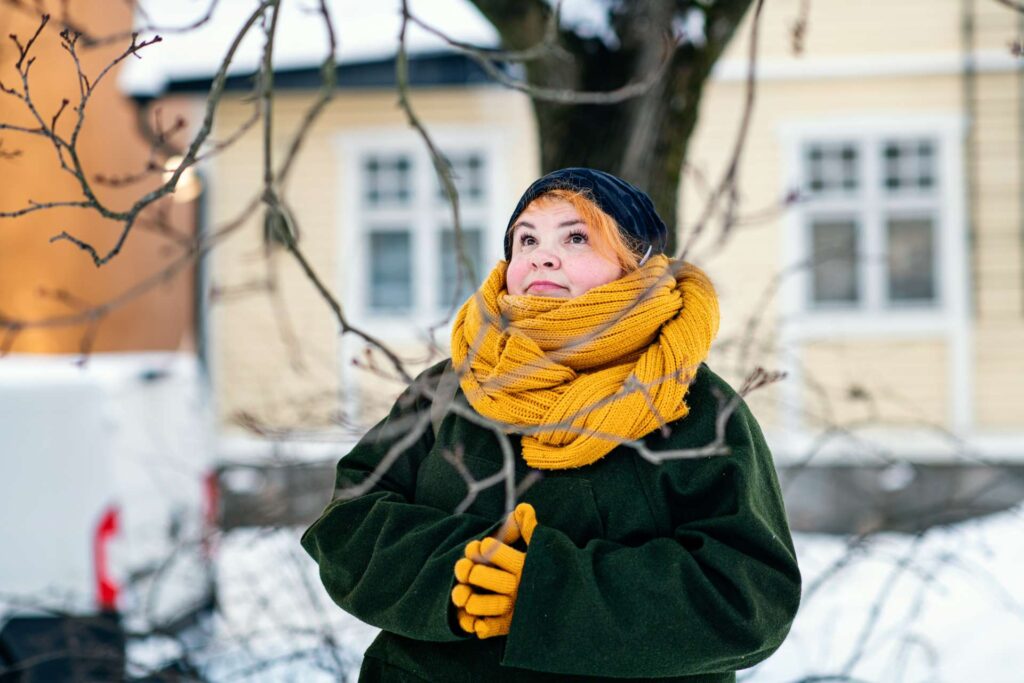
[683, 570]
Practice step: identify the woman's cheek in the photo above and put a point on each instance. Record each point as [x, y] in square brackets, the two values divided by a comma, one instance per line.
[515, 275]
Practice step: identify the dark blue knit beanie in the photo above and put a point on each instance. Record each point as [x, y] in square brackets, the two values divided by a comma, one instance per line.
[631, 208]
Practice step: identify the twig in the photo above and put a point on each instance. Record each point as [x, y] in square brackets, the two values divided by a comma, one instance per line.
[465, 267]
[1015, 5]
[560, 95]
[90, 40]
[727, 185]
[42, 206]
[798, 31]
[23, 51]
[8, 155]
[328, 77]
[879, 603]
[129, 217]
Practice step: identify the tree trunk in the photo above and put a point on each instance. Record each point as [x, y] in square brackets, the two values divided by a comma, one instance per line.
[643, 139]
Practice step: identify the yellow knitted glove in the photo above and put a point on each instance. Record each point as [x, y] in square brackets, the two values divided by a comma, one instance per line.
[488, 577]
[524, 520]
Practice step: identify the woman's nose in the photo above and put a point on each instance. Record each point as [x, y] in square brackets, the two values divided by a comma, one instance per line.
[544, 258]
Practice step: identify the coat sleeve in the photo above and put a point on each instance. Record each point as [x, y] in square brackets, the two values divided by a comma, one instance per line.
[716, 592]
[383, 558]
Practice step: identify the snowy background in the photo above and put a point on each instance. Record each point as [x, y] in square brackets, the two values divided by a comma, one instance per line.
[943, 605]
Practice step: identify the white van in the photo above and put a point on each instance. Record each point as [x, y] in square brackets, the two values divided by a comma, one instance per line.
[107, 503]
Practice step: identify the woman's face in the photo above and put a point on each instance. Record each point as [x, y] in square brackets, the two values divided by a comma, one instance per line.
[552, 254]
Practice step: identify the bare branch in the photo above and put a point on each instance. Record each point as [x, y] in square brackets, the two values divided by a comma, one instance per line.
[91, 40]
[41, 206]
[128, 218]
[285, 327]
[727, 185]
[880, 601]
[158, 140]
[88, 339]
[199, 247]
[415, 431]
[339, 314]
[798, 31]
[10, 91]
[267, 99]
[1015, 5]
[441, 165]
[23, 51]
[328, 77]
[22, 129]
[560, 95]
[548, 45]
[11, 331]
[53, 123]
[8, 154]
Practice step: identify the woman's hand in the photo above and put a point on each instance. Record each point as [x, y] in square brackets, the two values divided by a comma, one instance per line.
[489, 575]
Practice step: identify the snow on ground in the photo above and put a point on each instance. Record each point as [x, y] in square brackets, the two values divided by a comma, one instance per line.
[274, 622]
[946, 605]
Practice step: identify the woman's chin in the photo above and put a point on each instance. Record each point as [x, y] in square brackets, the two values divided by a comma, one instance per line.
[549, 292]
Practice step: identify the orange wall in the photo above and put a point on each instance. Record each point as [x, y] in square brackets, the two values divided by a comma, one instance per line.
[109, 144]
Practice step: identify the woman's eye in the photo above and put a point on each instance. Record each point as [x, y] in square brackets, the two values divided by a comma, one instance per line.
[578, 238]
[526, 240]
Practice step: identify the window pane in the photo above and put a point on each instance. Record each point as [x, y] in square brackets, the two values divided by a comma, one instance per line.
[468, 171]
[834, 261]
[908, 164]
[472, 242]
[390, 283]
[832, 167]
[387, 180]
[911, 262]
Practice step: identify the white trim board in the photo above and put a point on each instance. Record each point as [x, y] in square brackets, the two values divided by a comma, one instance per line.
[882, 447]
[949, 322]
[313, 446]
[916, 446]
[352, 256]
[350, 146]
[867, 66]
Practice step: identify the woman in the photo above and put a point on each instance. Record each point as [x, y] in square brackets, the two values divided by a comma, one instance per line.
[585, 346]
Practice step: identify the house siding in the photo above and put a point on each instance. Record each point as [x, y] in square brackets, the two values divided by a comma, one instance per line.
[755, 250]
[906, 378]
[998, 320]
[995, 280]
[304, 389]
[880, 383]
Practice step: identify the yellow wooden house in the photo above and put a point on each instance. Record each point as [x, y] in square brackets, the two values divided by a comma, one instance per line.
[878, 258]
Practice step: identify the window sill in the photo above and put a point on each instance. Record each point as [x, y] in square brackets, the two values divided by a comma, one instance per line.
[859, 323]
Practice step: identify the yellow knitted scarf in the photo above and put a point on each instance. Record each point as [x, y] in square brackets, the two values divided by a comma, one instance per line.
[605, 367]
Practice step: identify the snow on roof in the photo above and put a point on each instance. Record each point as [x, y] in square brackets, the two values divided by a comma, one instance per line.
[365, 31]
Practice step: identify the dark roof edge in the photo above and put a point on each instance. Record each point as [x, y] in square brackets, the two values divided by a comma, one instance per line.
[431, 69]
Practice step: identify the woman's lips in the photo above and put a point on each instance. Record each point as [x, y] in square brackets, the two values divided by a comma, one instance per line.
[544, 286]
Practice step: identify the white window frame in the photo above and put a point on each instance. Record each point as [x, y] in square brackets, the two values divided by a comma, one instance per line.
[874, 319]
[352, 255]
[874, 314]
[424, 220]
